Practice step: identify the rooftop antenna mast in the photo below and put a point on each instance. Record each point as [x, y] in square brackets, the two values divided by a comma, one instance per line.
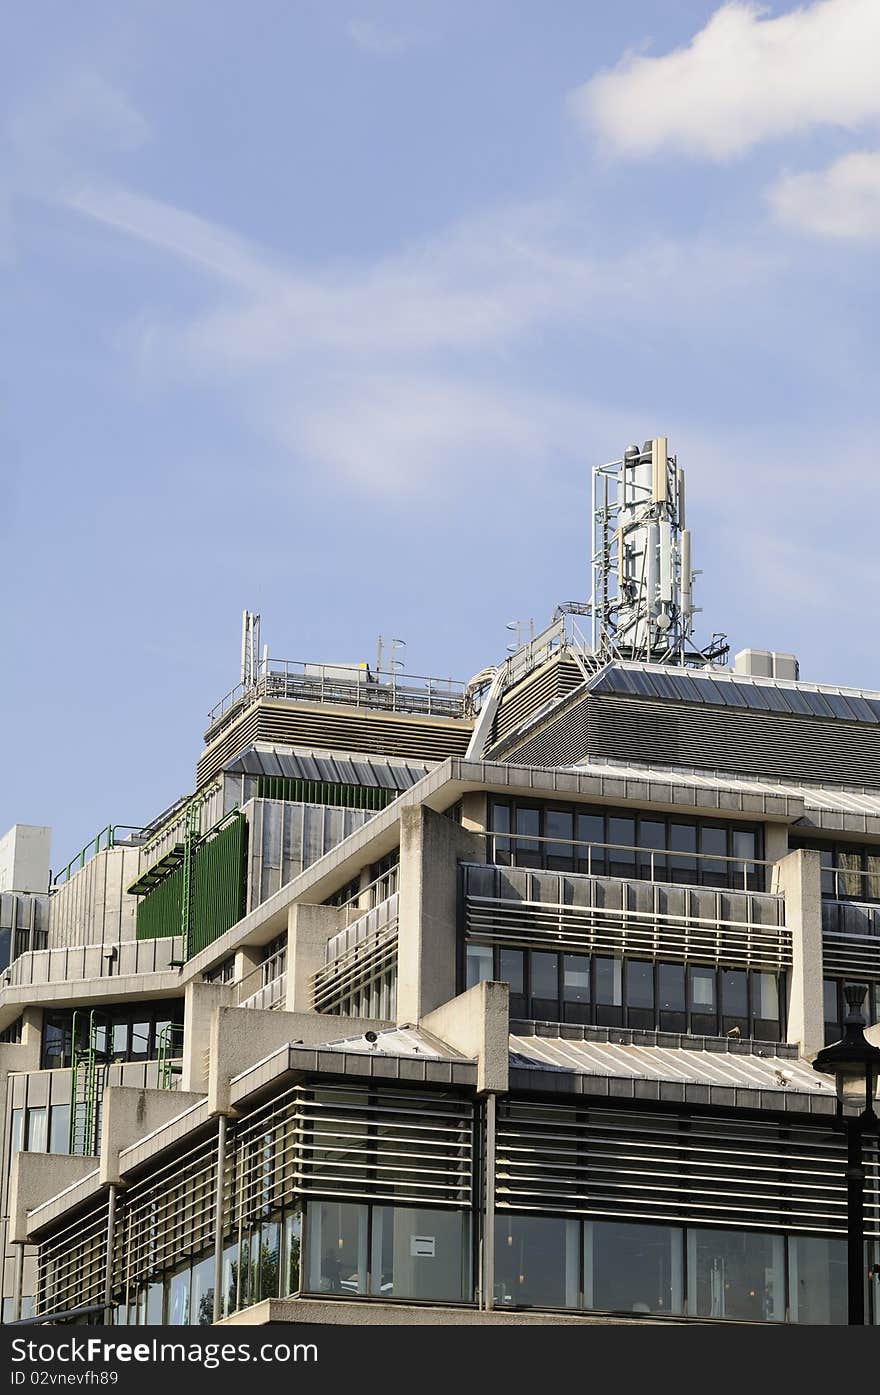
[643, 581]
[250, 648]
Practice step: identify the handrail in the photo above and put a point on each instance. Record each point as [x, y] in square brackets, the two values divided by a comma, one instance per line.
[644, 856]
[259, 977]
[376, 891]
[91, 849]
[348, 684]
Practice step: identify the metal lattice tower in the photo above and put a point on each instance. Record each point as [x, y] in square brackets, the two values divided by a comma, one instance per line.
[642, 598]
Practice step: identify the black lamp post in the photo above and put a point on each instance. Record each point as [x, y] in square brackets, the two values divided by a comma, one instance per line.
[855, 1065]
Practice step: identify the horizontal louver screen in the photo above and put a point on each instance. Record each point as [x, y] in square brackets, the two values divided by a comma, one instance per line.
[612, 916]
[667, 1168]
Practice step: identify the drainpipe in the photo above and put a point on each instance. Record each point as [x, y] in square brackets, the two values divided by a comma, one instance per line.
[489, 1208]
[108, 1263]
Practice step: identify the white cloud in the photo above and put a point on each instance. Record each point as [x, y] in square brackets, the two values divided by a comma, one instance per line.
[840, 201]
[742, 79]
[382, 372]
[381, 40]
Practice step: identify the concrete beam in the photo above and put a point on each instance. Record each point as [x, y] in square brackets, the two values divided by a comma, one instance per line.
[477, 1023]
[128, 1115]
[431, 846]
[36, 1178]
[798, 877]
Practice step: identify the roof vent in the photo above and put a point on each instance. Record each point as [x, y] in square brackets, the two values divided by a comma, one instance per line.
[766, 663]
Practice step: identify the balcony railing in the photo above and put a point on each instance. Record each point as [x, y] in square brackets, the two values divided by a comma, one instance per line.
[351, 686]
[266, 985]
[77, 962]
[683, 867]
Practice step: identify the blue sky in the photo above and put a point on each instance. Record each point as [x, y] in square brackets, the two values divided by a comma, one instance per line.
[328, 309]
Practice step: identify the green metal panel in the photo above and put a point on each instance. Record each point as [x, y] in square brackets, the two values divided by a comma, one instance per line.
[298, 791]
[218, 880]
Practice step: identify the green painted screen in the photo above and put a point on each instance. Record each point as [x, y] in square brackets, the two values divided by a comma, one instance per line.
[218, 890]
[322, 792]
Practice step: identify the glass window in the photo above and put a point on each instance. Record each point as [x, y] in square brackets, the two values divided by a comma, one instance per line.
[499, 824]
[478, 965]
[56, 1043]
[622, 859]
[639, 984]
[683, 842]
[652, 837]
[511, 969]
[817, 1279]
[420, 1254]
[202, 1309]
[291, 1253]
[178, 1299]
[702, 990]
[536, 1261]
[140, 1040]
[670, 986]
[743, 843]
[16, 1132]
[713, 844]
[558, 824]
[633, 1268]
[849, 878]
[609, 982]
[765, 994]
[830, 999]
[119, 1040]
[576, 978]
[527, 849]
[590, 830]
[576, 987]
[544, 972]
[59, 1129]
[735, 993]
[37, 1130]
[736, 1274]
[336, 1243]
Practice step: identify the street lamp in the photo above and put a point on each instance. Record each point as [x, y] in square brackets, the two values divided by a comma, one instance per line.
[855, 1065]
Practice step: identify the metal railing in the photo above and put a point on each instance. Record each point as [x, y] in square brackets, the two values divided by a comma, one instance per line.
[76, 962]
[265, 986]
[639, 862]
[851, 883]
[100, 843]
[371, 895]
[306, 682]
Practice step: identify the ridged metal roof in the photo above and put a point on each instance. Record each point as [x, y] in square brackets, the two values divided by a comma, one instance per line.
[720, 689]
[744, 1070]
[326, 766]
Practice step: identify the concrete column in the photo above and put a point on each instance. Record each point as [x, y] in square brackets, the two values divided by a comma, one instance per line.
[477, 1023]
[798, 877]
[198, 1013]
[431, 847]
[775, 841]
[475, 811]
[308, 930]
[219, 1184]
[248, 958]
[19, 1281]
[108, 1263]
[488, 1274]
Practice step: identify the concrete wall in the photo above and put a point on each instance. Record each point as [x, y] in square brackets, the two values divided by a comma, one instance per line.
[309, 929]
[93, 908]
[431, 847]
[24, 858]
[477, 1023]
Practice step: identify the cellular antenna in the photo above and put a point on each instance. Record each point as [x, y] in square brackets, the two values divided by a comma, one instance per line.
[643, 580]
